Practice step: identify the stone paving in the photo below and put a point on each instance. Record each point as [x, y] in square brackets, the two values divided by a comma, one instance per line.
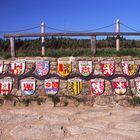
[46, 122]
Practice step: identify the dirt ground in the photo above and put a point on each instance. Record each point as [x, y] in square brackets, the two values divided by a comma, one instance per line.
[46, 122]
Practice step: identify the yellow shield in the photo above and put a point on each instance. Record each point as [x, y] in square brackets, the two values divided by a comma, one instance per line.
[64, 68]
[75, 86]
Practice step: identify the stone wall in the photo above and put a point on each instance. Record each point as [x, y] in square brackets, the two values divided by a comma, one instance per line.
[122, 80]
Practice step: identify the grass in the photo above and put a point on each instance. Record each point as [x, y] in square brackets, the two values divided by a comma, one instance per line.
[101, 52]
[123, 52]
[68, 52]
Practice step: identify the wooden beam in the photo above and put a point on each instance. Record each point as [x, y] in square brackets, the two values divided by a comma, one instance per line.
[118, 37]
[72, 34]
[43, 38]
[93, 44]
[12, 45]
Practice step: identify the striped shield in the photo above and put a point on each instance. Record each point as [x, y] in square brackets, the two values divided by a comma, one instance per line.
[75, 86]
[1, 66]
[5, 86]
[17, 67]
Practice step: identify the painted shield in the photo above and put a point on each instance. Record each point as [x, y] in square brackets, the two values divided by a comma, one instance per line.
[17, 67]
[5, 86]
[28, 86]
[128, 67]
[108, 68]
[64, 68]
[51, 86]
[75, 86]
[97, 86]
[137, 86]
[1, 66]
[85, 67]
[42, 68]
[120, 86]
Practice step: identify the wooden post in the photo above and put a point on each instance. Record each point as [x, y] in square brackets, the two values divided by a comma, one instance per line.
[117, 31]
[93, 44]
[43, 38]
[12, 45]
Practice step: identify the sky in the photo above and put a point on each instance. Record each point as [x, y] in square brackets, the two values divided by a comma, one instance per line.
[69, 15]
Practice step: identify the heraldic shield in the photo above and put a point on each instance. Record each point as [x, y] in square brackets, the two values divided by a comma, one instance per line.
[85, 67]
[108, 68]
[51, 86]
[17, 67]
[120, 86]
[137, 86]
[75, 86]
[1, 66]
[64, 68]
[128, 67]
[97, 86]
[42, 68]
[5, 86]
[28, 86]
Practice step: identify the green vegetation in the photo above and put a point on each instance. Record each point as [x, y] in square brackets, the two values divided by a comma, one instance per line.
[135, 101]
[55, 99]
[28, 100]
[60, 47]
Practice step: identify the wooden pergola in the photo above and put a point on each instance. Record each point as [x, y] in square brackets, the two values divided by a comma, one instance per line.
[91, 34]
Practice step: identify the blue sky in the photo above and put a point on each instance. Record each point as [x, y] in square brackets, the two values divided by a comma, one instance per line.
[77, 15]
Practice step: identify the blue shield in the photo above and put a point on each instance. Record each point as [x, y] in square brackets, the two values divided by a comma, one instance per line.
[42, 68]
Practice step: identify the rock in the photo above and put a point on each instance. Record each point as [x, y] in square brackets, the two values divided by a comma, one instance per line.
[124, 102]
[30, 131]
[104, 100]
[96, 125]
[11, 119]
[56, 119]
[76, 130]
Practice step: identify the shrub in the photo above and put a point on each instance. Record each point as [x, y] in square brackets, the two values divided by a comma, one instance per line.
[134, 101]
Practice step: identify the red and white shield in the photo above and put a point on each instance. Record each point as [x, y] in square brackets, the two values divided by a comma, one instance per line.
[108, 68]
[17, 67]
[28, 86]
[85, 67]
[97, 86]
[51, 86]
[5, 86]
[120, 86]
[1, 66]
[137, 86]
[128, 67]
